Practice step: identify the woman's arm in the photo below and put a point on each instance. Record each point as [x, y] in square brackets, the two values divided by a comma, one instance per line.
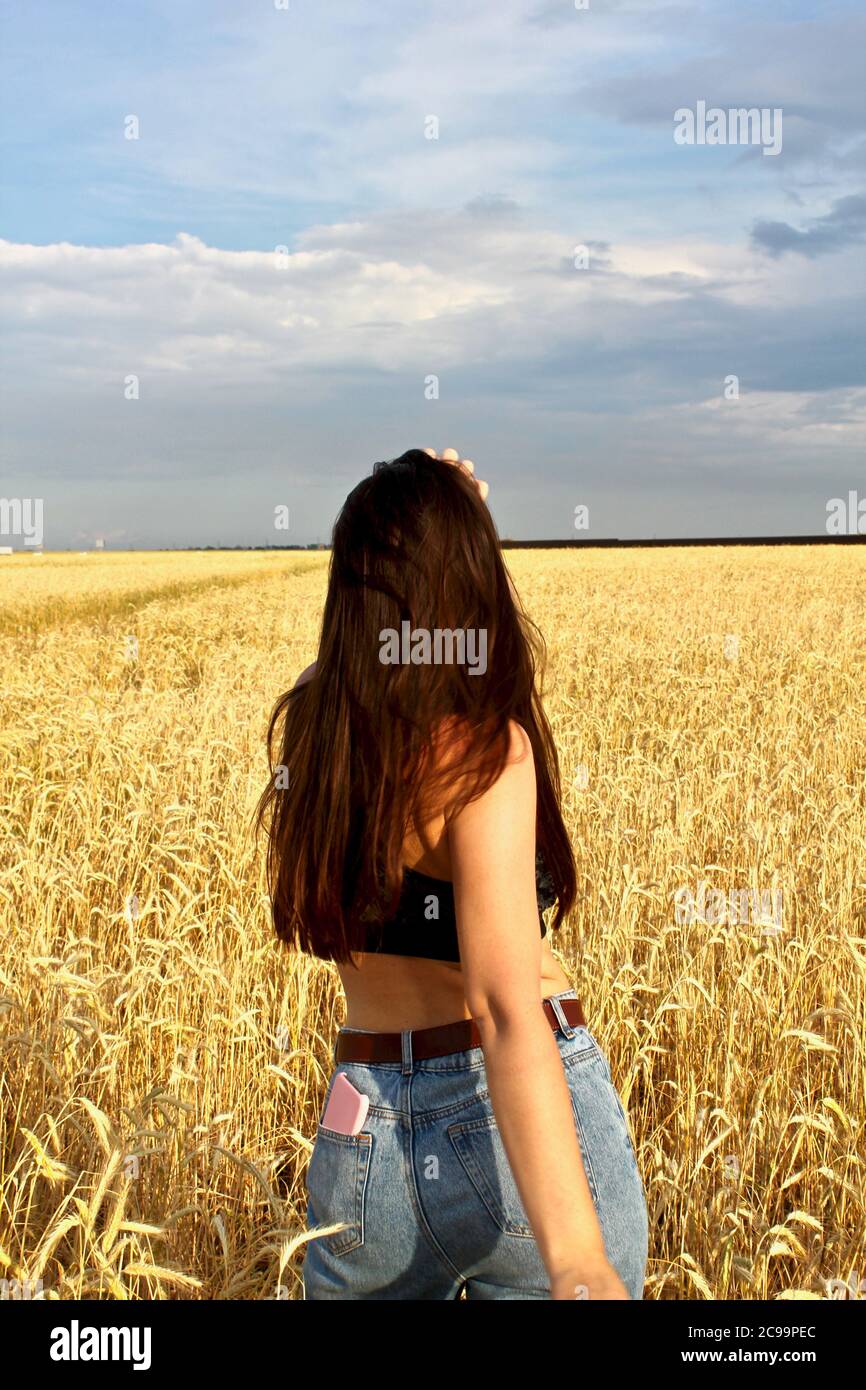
[492, 844]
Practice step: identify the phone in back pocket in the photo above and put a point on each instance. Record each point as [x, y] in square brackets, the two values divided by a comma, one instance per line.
[347, 1108]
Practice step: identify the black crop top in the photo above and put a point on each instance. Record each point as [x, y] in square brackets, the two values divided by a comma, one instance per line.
[425, 923]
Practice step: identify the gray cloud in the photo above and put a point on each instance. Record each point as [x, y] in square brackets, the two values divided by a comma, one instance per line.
[843, 225]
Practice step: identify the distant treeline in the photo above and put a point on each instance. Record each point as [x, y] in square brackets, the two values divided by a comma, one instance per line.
[610, 544]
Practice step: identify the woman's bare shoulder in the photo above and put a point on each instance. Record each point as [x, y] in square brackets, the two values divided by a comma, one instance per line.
[306, 674]
[458, 767]
[455, 739]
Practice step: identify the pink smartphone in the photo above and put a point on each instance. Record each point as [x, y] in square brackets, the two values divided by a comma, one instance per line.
[347, 1108]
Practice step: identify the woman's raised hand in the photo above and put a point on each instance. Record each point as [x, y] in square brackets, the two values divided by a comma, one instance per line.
[452, 456]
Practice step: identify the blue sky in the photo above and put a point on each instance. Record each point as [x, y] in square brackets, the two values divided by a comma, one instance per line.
[281, 260]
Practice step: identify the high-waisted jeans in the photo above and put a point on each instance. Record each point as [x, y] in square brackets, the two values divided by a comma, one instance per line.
[425, 1193]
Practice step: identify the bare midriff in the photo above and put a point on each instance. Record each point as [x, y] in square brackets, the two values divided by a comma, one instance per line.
[387, 994]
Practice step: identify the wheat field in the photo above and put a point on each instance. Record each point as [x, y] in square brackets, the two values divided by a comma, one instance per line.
[164, 1059]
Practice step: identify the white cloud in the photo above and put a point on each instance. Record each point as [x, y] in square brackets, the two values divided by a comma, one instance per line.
[402, 292]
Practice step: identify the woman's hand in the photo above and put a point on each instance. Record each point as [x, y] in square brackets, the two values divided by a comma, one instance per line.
[595, 1281]
[452, 456]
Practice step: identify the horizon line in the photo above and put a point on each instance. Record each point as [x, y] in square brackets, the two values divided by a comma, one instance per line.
[506, 543]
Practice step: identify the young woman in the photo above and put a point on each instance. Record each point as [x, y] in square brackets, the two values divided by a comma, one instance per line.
[415, 837]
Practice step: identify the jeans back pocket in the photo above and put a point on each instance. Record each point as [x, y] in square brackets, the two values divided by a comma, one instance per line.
[479, 1147]
[337, 1187]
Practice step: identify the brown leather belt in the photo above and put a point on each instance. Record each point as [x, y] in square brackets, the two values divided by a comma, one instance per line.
[434, 1042]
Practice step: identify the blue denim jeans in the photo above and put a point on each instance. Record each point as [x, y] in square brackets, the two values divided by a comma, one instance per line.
[425, 1194]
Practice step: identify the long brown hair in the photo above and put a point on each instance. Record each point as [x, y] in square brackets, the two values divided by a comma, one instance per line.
[356, 751]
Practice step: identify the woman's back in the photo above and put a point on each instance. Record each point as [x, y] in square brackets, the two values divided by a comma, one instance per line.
[388, 993]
